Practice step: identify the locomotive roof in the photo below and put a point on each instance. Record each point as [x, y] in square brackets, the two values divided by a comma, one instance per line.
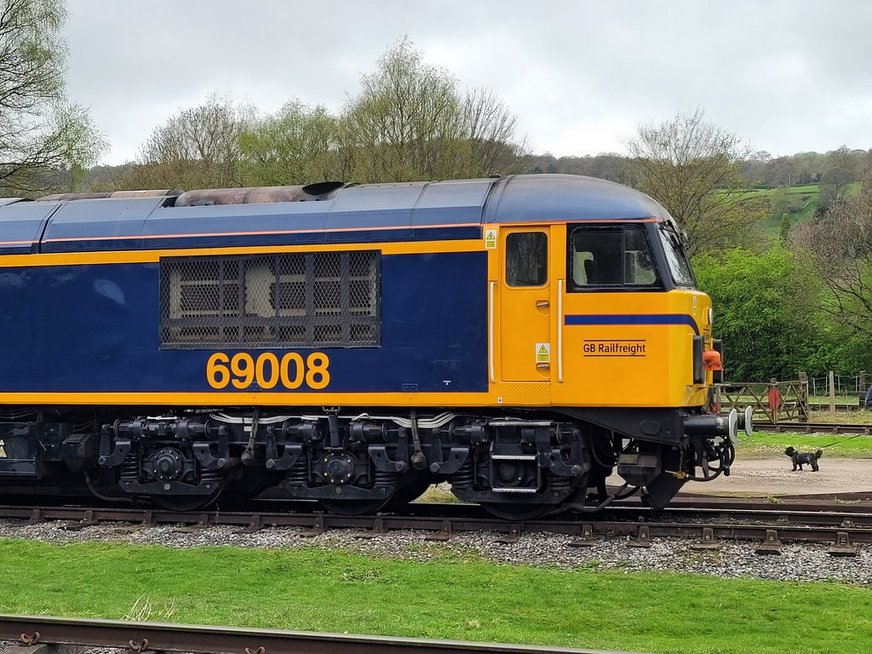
[334, 213]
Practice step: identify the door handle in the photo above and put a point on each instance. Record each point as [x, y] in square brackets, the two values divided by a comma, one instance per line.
[542, 304]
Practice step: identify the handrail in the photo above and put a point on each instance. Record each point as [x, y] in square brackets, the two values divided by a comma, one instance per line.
[560, 331]
[490, 332]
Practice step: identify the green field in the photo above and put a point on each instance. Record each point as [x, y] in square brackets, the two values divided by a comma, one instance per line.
[843, 445]
[800, 202]
[447, 597]
[803, 202]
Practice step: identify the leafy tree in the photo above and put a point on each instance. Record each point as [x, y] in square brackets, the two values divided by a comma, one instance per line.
[85, 143]
[297, 145]
[694, 169]
[198, 147]
[836, 179]
[838, 246]
[39, 130]
[411, 122]
[765, 311]
[784, 229]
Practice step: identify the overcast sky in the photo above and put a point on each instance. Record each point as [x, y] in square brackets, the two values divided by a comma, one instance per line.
[786, 76]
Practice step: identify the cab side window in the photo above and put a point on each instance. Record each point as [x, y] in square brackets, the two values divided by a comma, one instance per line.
[526, 259]
[610, 257]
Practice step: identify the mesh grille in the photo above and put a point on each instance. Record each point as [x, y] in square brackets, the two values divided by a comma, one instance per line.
[306, 300]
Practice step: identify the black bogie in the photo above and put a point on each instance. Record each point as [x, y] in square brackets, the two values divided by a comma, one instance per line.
[514, 464]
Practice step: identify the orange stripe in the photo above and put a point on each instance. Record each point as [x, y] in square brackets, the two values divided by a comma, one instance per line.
[339, 229]
[288, 399]
[263, 233]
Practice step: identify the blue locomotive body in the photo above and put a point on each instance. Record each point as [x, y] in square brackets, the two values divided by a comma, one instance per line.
[353, 344]
[93, 329]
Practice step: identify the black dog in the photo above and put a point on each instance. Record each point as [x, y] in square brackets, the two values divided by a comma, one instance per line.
[800, 458]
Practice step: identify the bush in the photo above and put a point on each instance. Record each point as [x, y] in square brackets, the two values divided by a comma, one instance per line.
[766, 308]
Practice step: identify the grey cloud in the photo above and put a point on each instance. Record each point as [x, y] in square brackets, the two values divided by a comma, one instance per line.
[580, 75]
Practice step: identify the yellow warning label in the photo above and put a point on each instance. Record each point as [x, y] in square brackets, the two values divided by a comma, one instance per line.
[543, 352]
[490, 239]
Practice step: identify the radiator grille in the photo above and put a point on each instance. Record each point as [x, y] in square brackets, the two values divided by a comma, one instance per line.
[312, 299]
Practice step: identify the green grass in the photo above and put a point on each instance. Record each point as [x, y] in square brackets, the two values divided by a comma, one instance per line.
[450, 597]
[807, 201]
[844, 446]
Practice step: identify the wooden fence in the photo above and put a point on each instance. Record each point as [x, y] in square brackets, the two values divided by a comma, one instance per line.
[790, 401]
[772, 402]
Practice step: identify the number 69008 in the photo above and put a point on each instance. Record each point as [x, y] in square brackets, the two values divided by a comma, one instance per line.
[289, 372]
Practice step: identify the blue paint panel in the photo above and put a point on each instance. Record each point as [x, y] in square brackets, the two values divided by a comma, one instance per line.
[446, 233]
[21, 225]
[385, 206]
[103, 220]
[94, 328]
[355, 214]
[444, 203]
[528, 198]
[633, 319]
[305, 238]
[242, 221]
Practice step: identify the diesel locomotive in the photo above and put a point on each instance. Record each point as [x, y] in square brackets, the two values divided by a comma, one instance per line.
[522, 338]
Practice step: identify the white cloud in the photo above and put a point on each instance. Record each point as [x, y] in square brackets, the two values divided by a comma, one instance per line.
[580, 75]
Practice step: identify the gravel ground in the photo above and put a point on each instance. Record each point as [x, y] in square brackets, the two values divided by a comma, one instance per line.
[731, 560]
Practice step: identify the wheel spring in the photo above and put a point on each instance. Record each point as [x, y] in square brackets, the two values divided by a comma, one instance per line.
[130, 468]
[465, 477]
[385, 478]
[211, 477]
[298, 475]
[558, 485]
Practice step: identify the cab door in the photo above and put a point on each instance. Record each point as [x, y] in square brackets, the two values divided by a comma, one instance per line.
[525, 304]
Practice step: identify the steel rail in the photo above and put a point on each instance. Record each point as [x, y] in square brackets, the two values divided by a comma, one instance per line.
[634, 523]
[155, 637]
[433, 516]
[812, 427]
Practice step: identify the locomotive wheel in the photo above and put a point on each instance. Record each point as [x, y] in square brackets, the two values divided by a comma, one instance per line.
[509, 511]
[354, 507]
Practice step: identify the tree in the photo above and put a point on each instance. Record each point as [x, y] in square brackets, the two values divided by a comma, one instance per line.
[297, 145]
[84, 142]
[39, 130]
[837, 177]
[784, 228]
[693, 168]
[411, 122]
[838, 245]
[765, 306]
[196, 148]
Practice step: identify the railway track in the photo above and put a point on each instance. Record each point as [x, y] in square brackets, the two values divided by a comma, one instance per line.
[74, 636]
[707, 522]
[814, 428]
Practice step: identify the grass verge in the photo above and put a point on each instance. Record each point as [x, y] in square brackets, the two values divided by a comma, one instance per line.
[851, 446]
[447, 597]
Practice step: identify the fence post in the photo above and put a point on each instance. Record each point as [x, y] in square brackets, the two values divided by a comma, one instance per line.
[861, 387]
[802, 397]
[832, 393]
[774, 400]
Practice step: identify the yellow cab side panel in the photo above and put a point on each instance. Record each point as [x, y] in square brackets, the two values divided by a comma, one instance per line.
[627, 362]
[603, 349]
